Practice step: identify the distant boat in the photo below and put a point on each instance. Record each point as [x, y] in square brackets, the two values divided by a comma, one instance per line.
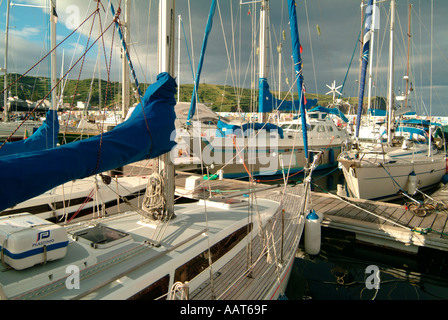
[407, 162]
[228, 149]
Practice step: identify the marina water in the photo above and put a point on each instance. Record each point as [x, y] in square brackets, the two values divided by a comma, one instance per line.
[341, 270]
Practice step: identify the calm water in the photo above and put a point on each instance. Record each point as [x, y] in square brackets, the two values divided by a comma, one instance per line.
[339, 271]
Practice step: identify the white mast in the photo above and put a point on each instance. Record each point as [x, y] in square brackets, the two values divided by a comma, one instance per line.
[165, 64]
[5, 93]
[262, 58]
[53, 22]
[178, 59]
[125, 64]
[390, 95]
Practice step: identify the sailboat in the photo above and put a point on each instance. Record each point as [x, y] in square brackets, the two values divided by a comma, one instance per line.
[227, 150]
[160, 250]
[408, 161]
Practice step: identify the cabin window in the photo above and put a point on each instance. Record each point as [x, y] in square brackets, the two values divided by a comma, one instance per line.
[320, 129]
[158, 289]
[199, 263]
[330, 129]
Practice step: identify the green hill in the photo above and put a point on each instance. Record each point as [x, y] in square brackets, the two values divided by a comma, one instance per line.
[220, 98]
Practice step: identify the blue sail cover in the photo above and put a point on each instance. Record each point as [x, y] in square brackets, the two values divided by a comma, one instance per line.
[378, 113]
[146, 134]
[365, 61]
[45, 137]
[208, 29]
[262, 126]
[298, 66]
[421, 122]
[334, 111]
[268, 102]
[225, 129]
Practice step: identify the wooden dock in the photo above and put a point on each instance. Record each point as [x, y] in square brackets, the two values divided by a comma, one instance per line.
[378, 223]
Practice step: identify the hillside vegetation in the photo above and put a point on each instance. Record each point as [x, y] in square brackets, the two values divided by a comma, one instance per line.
[218, 97]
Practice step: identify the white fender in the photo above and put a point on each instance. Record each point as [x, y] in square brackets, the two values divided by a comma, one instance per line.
[312, 233]
[412, 183]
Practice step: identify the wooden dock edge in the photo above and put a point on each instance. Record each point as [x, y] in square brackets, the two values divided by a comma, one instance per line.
[383, 235]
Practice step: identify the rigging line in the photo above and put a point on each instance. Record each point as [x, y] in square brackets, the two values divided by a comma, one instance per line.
[49, 53]
[360, 208]
[49, 93]
[125, 47]
[84, 58]
[108, 67]
[71, 63]
[311, 46]
[148, 67]
[191, 33]
[88, 198]
[429, 34]
[350, 64]
[188, 49]
[232, 75]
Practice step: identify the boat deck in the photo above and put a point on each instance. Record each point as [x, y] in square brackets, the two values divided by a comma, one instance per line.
[251, 273]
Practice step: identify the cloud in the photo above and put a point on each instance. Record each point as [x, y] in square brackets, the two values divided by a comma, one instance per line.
[326, 56]
[26, 32]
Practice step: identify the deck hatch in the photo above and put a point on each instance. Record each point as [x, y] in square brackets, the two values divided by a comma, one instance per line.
[101, 236]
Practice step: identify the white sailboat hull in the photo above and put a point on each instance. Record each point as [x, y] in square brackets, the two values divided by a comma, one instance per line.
[375, 181]
[72, 197]
[264, 157]
[133, 263]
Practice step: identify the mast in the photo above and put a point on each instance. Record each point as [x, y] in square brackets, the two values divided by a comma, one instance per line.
[178, 58]
[125, 97]
[390, 94]
[407, 67]
[373, 26]
[364, 62]
[262, 58]
[5, 86]
[298, 73]
[53, 22]
[165, 64]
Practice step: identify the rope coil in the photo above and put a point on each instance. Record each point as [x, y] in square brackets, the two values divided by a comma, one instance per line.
[154, 200]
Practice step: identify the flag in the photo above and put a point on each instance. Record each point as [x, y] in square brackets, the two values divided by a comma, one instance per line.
[304, 91]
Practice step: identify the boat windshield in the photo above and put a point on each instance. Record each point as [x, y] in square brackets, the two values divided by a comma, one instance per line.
[292, 127]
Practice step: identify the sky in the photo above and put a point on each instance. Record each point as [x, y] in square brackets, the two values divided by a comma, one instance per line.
[329, 32]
